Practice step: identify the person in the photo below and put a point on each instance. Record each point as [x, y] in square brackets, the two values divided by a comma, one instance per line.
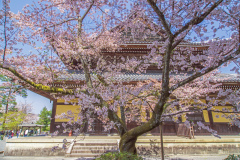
[18, 133]
[64, 146]
[31, 132]
[21, 132]
[1, 133]
[26, 132]
[12, 134]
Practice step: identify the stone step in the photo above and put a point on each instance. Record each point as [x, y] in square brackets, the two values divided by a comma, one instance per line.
[88, 151]
[93, 151]
[94, 147]
[81, 149]
[95, 144]
[86, 155]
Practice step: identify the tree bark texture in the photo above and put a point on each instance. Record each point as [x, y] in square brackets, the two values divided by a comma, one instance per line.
[127, 144]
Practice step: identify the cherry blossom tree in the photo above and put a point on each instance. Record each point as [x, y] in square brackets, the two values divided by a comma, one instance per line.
[8, 93]
[75, 35]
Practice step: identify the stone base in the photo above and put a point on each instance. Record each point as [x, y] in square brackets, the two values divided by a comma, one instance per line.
[217, 149]
[34, 146]
[205, 145]
[36, 152]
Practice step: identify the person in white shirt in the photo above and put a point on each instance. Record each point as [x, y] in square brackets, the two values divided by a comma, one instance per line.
[26, 132]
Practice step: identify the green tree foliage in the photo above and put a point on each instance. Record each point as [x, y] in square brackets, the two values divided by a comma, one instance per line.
[45, 118]
[119, 156]
[9, 90]
[13, 119]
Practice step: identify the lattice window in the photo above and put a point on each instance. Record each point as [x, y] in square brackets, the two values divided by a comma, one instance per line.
[195, 117]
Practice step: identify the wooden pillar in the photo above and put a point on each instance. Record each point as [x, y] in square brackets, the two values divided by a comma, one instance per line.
[210, 119]
[53, 116]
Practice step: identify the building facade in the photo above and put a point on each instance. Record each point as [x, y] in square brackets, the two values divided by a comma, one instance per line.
[138, 48]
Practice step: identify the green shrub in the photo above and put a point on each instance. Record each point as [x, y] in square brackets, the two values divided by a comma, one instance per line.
[233, 157]
[1, 138]
[118, 156]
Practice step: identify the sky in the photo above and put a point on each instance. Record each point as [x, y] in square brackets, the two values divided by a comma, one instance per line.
[38, 101]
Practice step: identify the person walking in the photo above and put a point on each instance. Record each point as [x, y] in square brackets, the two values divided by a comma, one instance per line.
[18, 133]
[26, 132]
[7, 132]
[12, 134]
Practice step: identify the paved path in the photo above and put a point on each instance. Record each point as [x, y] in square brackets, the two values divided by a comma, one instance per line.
[186, 157]
[41, 158]
[2, 144]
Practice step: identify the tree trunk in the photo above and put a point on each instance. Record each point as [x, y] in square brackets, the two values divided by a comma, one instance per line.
[6, 111]
[127, 144]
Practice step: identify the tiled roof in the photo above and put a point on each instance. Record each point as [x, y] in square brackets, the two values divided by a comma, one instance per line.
[128, 77]
[224, 77]
[30, 125]
[150, 42]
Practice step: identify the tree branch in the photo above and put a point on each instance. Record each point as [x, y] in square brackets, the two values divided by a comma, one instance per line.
[120, 125]
[80, 19]
[86, 72]
[4, 28]
[102, 80]
[85, 14]
[161, 16]
[197, 111]
[179, 41]
[72, 19]
[38, 86]
[201, 73]
[198, 19]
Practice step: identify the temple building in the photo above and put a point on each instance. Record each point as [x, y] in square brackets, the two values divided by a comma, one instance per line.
[214, 120]
[138, 48]
[209, 118]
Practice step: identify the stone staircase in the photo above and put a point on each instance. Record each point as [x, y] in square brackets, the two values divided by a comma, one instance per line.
[91, 149]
